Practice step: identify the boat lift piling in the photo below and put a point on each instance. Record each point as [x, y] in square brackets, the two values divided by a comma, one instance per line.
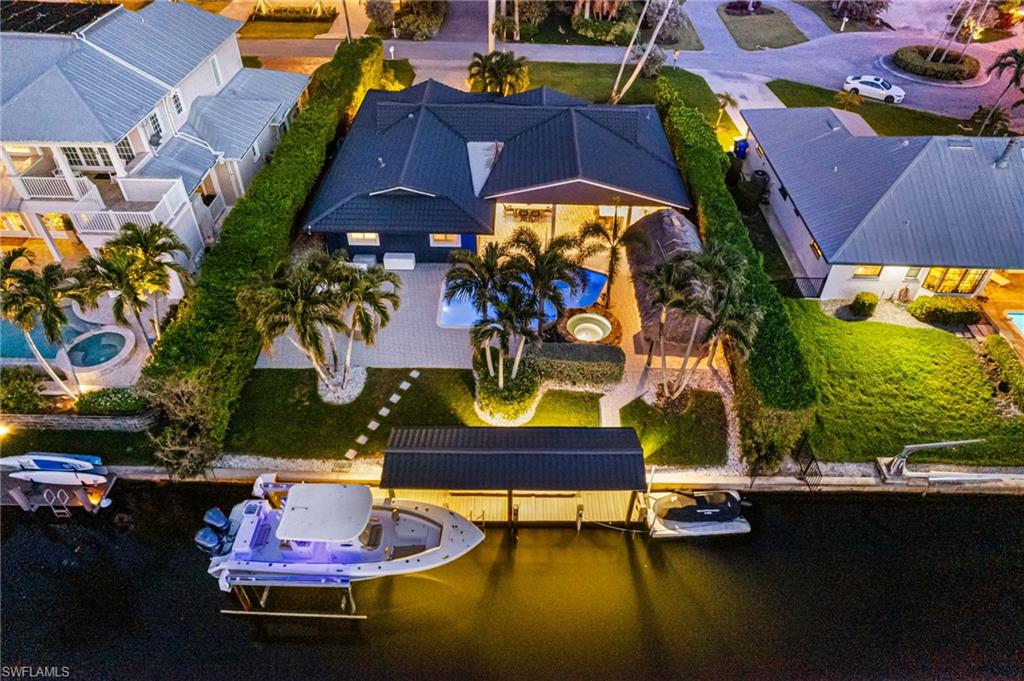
[255, 605]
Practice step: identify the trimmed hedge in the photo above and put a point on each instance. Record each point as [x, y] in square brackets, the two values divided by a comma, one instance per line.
[615, 32]
[209, 342]
[110, 401]
[945, 310]
[914, 59]
[578, 364]
[1011, 371]
[19, 391]
[779, 378]
[864, 304]
[517, 396]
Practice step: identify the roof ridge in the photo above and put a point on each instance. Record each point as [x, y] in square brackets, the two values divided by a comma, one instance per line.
[74, 90]
[636, 145]
[576, 144]
[860, 223]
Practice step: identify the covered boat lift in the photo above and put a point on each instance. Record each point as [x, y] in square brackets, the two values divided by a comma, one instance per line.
[561, 475]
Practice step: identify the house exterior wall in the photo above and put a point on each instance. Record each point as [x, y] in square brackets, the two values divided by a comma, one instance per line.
[418, 244]
[248, 165]
[842, 284]
[792, 224]
[201, 81]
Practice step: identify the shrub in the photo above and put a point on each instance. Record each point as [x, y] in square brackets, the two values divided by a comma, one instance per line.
[1009, 367]
[946, 311]
[380, 12]
[110, 401]
[528, 32]
[616, 32]
[914, 59]
[747, 195]
[19, 391]
[297, 14]
[676, 20]
[655, 60]
[421, 19]
[768, 433]
[864, 304]
[515, 398]
[579, 365]
[209, 344]
[532, 12]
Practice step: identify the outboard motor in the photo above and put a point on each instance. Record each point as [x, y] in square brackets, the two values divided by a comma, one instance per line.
[216, 519]
[208, 541]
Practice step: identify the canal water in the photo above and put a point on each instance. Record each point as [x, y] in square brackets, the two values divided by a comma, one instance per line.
[824, 587]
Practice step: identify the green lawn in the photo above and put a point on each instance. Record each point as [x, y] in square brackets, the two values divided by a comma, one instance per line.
[762, 30]
[556, 29]
[404, 72]
[823, 8]
[116, 448]
[884, 386]
[594, 82]
[213, 7]
[697, 437]
[886, 119]
[280, 413]
[259, 29]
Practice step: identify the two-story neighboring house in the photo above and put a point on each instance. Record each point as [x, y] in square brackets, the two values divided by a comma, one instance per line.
[109, 117]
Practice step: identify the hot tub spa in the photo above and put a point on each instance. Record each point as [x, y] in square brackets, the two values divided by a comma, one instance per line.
[102, 349]
[589, 327]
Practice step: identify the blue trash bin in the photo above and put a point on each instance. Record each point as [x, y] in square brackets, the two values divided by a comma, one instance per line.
[739, 147]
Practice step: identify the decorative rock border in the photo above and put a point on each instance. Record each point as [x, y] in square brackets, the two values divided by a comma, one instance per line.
[335, 394]
[129, 423]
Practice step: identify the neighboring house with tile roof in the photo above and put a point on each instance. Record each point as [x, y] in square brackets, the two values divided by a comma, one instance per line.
[897, 216]
[431, 168]
[109, 116]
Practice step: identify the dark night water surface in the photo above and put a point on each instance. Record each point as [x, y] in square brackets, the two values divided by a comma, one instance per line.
[825, 587]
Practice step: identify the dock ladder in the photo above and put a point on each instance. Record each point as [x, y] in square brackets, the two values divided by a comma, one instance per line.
[58, 502]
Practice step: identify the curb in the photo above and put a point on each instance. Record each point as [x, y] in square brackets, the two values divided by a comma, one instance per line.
[884, 62]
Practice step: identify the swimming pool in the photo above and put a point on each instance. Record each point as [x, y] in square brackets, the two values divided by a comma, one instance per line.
[1017, 319]
[14, 346]
[97, 348]
[460, 314]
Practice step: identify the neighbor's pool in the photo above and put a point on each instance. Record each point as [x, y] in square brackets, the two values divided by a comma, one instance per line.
[14, 346]
[460, 314]
[1017, 319]
[97, 349]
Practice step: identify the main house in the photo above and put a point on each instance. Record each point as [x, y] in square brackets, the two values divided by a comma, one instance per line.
[897, 216]
[113, 117]
[431, 168]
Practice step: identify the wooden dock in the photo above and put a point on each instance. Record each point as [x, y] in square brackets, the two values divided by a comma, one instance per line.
[529, 507]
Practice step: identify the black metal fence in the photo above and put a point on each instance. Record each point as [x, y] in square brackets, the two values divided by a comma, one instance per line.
[807, 464]
[800, 287]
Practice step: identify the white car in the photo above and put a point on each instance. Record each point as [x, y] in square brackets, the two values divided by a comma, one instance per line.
[874, 87]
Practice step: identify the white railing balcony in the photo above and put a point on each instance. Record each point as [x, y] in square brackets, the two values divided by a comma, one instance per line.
[112, 221]
[52, 187]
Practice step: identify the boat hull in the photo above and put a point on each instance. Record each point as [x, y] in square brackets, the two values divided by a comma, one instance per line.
[71, 478]
[663, 528]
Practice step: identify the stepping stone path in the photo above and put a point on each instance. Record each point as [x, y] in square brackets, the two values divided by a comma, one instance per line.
[383, 412]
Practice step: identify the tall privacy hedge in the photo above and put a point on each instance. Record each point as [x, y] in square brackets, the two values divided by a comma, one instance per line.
[779, 379]
[209, 344]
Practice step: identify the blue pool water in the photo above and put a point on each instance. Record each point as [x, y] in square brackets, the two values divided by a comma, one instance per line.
[96, 350]
[1017, 319]
[14, 346]
[460, 314]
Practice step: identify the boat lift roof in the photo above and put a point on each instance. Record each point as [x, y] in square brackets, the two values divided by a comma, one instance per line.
[325, 512]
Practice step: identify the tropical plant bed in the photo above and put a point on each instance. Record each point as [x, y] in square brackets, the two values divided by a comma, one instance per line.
[758, 31]
[268, 29]
[693, 437]
[884, 386]
[914, 59]
[280, 414]
[823, 8]
[593, 82]
[884, 119]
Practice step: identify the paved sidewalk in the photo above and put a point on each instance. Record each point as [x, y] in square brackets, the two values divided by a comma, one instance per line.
[809, 23]
[240, 10]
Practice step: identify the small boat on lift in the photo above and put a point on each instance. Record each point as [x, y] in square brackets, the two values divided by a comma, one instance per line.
[681, 514]
[55, 469]
[299, 534]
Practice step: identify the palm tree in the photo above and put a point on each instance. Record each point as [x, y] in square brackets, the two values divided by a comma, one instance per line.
[294, 296]
[725, 100]
[334, 271]
[848, 99]
[618, 95]
[1012, 60]
[477, 279]
[612, 240]
[156, 245]
[547, 265]
[120, 271]
[9, 260]
[997, 116]
[500, 72]
[715, 273]
[516, 309]
[371, 303]
[734, 319]
[29, 298]
[484, 333]
[663, 291]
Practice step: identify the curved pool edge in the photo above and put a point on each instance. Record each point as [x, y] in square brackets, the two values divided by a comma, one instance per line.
[122, 355]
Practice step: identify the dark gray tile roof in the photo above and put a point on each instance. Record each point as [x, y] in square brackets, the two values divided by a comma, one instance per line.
[417, 139]
[896, 200]
[569, 459]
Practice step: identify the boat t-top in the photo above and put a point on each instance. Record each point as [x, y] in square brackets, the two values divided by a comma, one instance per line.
[301, 534]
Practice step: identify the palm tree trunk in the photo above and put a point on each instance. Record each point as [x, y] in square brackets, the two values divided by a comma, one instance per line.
[348, 356]
[683, 377]
[970, 38]
[629, 48]
[156, 315]
[142, 327]
[519, 356]
[959, 28]
[616, 98]
[316, 363]
[664, 358]
[718, 123]
[515, 20]
[486, 345]
[992, 110]
[501, 369]
[75, 384]
[945, 30]
[46, 366]
[711, 353]
[613, 266]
